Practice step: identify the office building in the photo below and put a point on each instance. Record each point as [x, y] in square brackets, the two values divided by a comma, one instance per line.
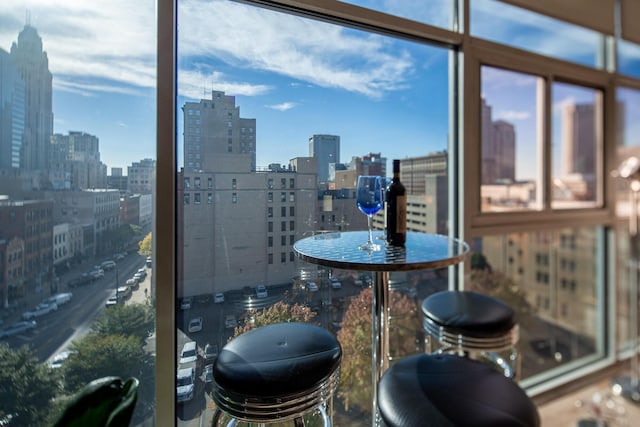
[33, 65]
[12, 112]
[326, 149]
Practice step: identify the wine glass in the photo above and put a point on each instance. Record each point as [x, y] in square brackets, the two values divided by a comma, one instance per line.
[369, 200]
[385, 182]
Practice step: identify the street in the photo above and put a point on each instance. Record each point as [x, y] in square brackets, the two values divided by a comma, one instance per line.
[56, 330]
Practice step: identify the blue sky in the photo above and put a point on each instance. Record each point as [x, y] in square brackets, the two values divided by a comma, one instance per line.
[295, 76]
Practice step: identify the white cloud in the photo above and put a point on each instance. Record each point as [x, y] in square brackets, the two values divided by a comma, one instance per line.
[282, 106]
[110, 45]
[512, 115]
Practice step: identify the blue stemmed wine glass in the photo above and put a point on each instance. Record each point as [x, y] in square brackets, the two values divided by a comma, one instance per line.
[369, 200]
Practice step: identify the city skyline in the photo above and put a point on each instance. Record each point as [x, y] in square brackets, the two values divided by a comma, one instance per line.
[104, 83]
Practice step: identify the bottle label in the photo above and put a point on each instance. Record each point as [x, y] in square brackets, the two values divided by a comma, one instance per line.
[401, 214]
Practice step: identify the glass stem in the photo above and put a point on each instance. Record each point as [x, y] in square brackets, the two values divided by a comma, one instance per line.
[370, 219]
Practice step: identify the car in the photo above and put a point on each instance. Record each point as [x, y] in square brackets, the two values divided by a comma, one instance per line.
[59, 359]
[335, 283]
[195, 324]
[123, 292]
[230, 321]
[119, 256]
[108, 265]
[210, 352]
[18, 328]
[40, 310]
[132, 283]
[112, 301]
[186, 302]
[312, 287]
[96, 273]
[218, 298]
[149, 262]
[185, 383]
[81, 280]
[138, 277]
[208, 373]
[142, 272]
[60, 299]
[261, 291]
[189, 353]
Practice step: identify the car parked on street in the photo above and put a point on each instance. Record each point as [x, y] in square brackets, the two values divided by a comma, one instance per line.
[40, 310]
[312, 287]
[210, 352]
[60, 299]
[96, 273]
[18, 328]
[108, 265]
[230, 321]
[186, 302]
[335, 283]
[83, 279]
[132, 283]
[218, 298]
[185, 383]
[189, 353]
[112, 301]
[195, 324]
[149, 262]
[261, 291]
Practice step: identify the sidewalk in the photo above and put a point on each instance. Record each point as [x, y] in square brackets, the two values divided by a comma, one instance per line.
[139, 296]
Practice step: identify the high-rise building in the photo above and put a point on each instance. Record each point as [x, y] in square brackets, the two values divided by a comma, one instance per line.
[141, 176]
[326, 149]
[76, 157]
[12, 111]
[578, 139]
[33, 65]
[215, 135]
[498, 148]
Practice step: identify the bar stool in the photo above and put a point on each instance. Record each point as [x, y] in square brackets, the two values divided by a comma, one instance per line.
[445, 390]
[277, 373]
[474, 325]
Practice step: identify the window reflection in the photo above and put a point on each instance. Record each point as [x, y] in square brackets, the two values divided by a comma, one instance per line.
[510, 141]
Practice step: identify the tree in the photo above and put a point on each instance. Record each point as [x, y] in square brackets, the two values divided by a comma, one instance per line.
[27, 387]
[355, 337]
[144, 247]
[133, 319]
[97, 356]
[280, 312]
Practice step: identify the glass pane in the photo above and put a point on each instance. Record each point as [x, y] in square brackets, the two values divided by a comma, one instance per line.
[439, 13]
[628, 104]
[553, 281]
[520, 28]
[77, 150]
[628, 58]
[510, 143]
[281, 121]
[577, 146]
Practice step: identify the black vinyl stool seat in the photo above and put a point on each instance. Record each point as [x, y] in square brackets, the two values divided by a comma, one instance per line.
[445, 390]
[470, 322]
[277, 373]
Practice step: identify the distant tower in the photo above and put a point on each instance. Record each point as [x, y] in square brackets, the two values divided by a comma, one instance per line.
[498, 148]
[33, 65]
[578, 139]
[11, 112]
[326, 149]
[216, 138]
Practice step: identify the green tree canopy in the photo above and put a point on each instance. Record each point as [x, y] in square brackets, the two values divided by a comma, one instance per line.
[144, 247]
[280, 312]
[136, 320]
[27, 387]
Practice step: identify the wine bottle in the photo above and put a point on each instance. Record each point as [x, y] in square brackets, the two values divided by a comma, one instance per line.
[396, 209]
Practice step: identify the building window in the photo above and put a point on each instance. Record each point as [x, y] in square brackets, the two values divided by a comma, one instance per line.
[196, 198]
[270, 227]
[187, 182]
[283, 240]
[209, 198]
[292, 239]
[209, 182]
[270, 241]
[234, 198]
[283, 197]
[270, 259]
[270, 197]
[291, 256]
[269, 212]
[283, 211]
[292, 211]
[186, 198]
[283, 257]
[292, 197]
[270, 183]
[292, 183]
[196, 182]
[283, 182]
[283, 226]
[234, 183]
[292, 225]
